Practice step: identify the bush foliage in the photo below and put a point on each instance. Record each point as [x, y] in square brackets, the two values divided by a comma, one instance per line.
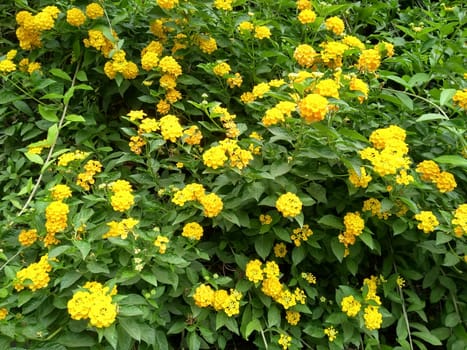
[227, 174]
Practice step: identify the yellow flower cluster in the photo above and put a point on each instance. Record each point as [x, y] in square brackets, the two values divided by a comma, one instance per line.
[235, 80]
[270, 284]
[167, 4]
[305, 55]
[389, 154]
[292, 317]
[56, 217]
[31, 26]
[221, 69]
[359, 85]
[301, 234]
[262, 32]
[86, 178]
[369, 60]
[354, 226]
[373, 205]
[120, 228]
[313, 108]
[306, 16]
[460, 98]
[280, 250]
[359, 180]
[170, 128]
[327, 88]
[350, 306]
[335, 25]
[94, 303]
[460, 220]
[228, 149]
[3, 313]
[289, 205]
[169, 65]
[427, 221]
[161, 243]
[332, 53]
[193, 230]
[309, 277]
[212, 203]
[119, 64]
[370, 287]
[227, 120]
[66, 158]
[192, 135]
[35, 276]
[207, 44]
[75, 17]
[99, 41]
[223, 5]
[27, 237]
[265, 219]
[26, 66]
[60, 192]
[94, 11]
[430, 171]
[373, 318]
[136, 144]
[221, 300]
[7, 65]
[122, 198]
[285, 341]
[331, 332]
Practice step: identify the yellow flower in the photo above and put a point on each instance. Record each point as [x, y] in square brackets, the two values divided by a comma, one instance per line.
[122, 201]
[235, 81]
[221, 69]
[285, 341]
[369, 60]
[149, 60]
[75, 17]
[56, 215]
[331, 332]
[328, 88]
[163, 107]
[280, 250]
[94, 10]
[60, 192]
[400, 281]
[445, 182]
[3, 313]
[353, 223]
[460, 220]
[7, 66]
[223, 5]
[428, 170]
[27, 237]
[161, 243]
[220, 299]
[246, 26]
[193, 230]
[207, 45]
[272, 116]
[167, 4]
[102, 312]
[373, 318]
[289, 205]
[204, 295]
[212, 205]
[350, 306]
[168, 64]
[272, 287]
[148, 125]
[260, 89]
[307, 16]
[361, 180]
[357, 84]
[427, 221]
[303, 4]
[313, 108]
[35, 276]
[232, 303]
[170, 128]
[287, 299]
[335, 25]
[403, 178]
[460, 98]
[271, 269]
[309, 277]
[262, 32]
[254, 271]
[292, 317]
[214, 157]
[353, 41]
[120, 229]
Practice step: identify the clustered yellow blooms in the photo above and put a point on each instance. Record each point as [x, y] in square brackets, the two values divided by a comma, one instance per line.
[86, 178]
[331, 332]
[369, 60]
[350, 306]
[313, 108]
[373, 205]
[35, 276]
[75, 17]
[207, 44]
[301, 234]
[99, 41]
[265, 219]
[228, 149]
[27, 237]
[193, 230]
[119, 64]
[31, 26]
[56, 217]
[94, 302]
[192, 135]
[66, 158]
[120, 228]
[221, 300]
[305, 55]
[270, 284]
[389, 154]
[354, 226]
[7, 65]
[285, 341]
[122, 198]
[292, 317]
[289, 205]
[309, 277]
[359, 85]
[212, 203]
[460, 98]
[170, 127]
[221, 69]
[460, 220]
[161, 243]
[327, 88]
[359, 180]
[427, 221]
[227, 120]
[306, 16]
[3, 313]
[167, 4]
[335, 25]
[280, 250]
[60, 192]
[430, 171]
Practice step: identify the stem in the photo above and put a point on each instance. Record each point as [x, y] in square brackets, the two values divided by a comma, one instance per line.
[51, 149]
[404, 311]
[10, 259]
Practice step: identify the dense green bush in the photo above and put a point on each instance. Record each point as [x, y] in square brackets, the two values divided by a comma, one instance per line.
[226, 174]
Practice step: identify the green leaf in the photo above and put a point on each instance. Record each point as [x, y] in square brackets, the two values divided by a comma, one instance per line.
[35, 158]
[75, 118]
[253, 325]
[298, 255]
[365, 236]
[405, 99]
[193, 341]
[274, 316]
[84, 248]
[52, 133]
[429, 338]
[454, 160]
[431, 116]
[60, 74]
[446, 96]
[452, 320]
[331, 221]
[69, 279]
[131, 327]
[81, 76]
[280, 168]
[263, 245]
[418, 79]
[48, 113]
[338, 249]
[57, 251]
